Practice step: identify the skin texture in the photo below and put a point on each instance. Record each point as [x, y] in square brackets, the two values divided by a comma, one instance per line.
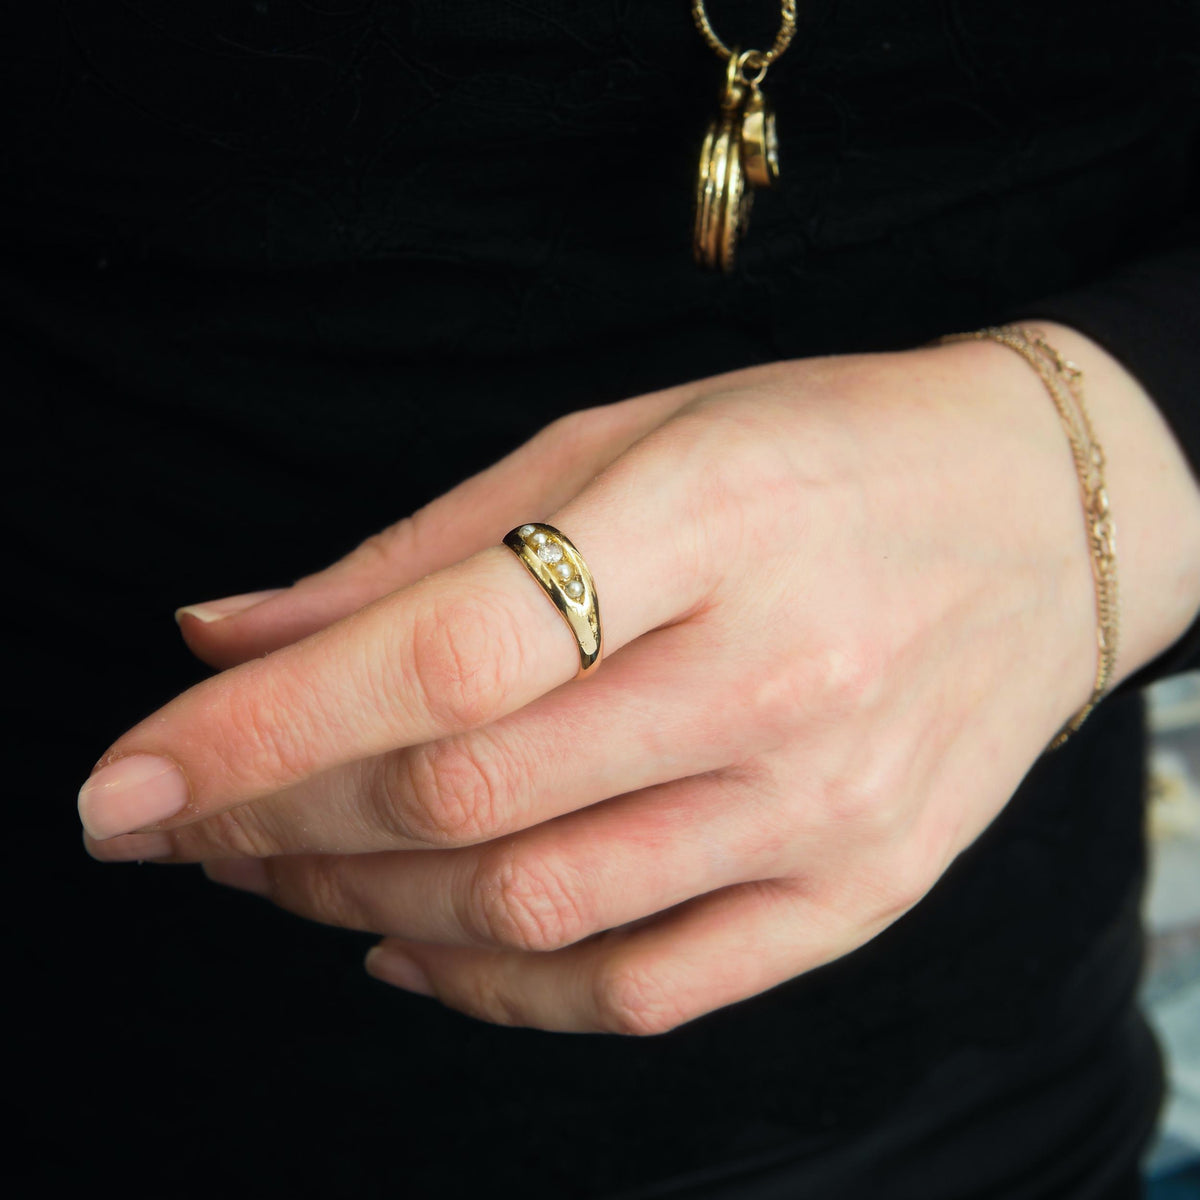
[847, 602]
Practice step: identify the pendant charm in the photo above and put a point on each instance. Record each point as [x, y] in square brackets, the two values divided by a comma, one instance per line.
[760, 147]
[740, 152]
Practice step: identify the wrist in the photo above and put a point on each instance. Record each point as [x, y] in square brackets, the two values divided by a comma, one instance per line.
[1154, 498]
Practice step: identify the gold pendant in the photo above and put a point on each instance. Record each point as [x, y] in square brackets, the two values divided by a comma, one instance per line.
[760, 146]
[740, 152]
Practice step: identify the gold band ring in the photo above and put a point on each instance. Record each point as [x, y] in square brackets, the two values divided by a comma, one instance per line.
[551, 558]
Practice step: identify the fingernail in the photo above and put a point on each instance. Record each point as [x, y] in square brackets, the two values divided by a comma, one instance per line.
[245, 874]
[391, 966]
[229, 606]
[130, 794]
[133, 847]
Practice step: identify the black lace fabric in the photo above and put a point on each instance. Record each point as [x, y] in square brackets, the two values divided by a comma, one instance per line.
[274, 274]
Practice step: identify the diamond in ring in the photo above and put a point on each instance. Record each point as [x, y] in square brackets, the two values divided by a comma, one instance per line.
[558, 567]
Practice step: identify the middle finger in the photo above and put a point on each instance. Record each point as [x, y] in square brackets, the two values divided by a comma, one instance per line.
[657, 712]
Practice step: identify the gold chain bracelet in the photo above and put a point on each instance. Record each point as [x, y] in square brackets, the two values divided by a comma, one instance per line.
[1064, 382]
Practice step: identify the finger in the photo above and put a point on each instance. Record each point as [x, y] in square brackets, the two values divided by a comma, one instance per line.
[644, 979]
[548, 887]
[457, 650]
[566, 750]
[471, 516]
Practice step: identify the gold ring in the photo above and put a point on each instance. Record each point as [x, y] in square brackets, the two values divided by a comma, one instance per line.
[551, 558]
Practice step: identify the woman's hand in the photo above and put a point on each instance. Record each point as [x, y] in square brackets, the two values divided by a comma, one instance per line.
[846, 603]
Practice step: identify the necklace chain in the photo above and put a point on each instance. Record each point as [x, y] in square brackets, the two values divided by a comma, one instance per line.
[756, 58]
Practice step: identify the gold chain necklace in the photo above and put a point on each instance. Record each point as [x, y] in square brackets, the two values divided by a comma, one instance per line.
[740, 150]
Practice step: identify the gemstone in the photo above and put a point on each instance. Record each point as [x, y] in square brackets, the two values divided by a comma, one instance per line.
[574, 589]
[548, 552]
[538, 538]
[525, 530]
[564, 571]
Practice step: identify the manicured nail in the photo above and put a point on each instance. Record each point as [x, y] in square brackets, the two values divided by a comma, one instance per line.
[130, 794]
[245, 874]
[132, 847]
[394, 967]
[229, 606]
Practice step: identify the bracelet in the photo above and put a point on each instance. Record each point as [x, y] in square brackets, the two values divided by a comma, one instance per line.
[1064, 382]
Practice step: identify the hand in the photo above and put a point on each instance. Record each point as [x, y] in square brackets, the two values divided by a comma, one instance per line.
[846, 603]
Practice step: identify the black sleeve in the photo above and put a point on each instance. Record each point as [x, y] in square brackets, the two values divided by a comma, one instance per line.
[1147, 315]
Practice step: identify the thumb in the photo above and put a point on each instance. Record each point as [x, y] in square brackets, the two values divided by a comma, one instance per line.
[537, 478]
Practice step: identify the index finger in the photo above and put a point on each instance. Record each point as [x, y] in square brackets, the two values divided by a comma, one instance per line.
[458, 649]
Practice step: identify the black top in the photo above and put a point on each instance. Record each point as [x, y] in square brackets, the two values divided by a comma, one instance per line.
[274, 275]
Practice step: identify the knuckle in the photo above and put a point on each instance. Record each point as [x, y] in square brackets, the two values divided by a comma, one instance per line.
[388, 546]
[395, 797]
[485, 997]
[908, 885]
[774, 701]
[524, 902]
[236, 832]
[834, 681]
[841, 677]
[634, 1001]
[924, 858]
[268, 721]
[445, 794]
[465, 653]
[742, 489]
[583, 437]
[316, 887]
[895, 887]
[744, 466]
[563, 434]
[861, 806]
[873, 802]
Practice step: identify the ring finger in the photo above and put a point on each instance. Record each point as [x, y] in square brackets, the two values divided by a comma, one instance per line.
[549, 886]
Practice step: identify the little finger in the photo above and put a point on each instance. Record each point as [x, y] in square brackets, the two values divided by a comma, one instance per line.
[642, 980]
